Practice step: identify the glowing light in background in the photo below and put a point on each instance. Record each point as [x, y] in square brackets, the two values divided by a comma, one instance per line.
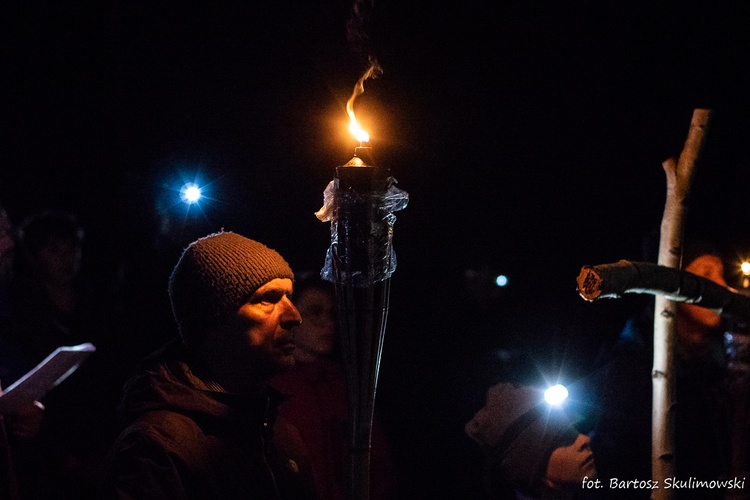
[745, 269]
[188, 201]
[555, 395]
[190, 193]
[501, 280]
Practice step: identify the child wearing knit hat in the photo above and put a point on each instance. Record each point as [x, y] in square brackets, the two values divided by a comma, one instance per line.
[530, 445]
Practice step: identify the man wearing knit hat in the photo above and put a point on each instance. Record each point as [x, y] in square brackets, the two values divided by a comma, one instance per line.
[199, 416]
[529, 446]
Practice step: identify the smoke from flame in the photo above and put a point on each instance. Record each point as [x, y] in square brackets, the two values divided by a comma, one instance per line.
[372, 72]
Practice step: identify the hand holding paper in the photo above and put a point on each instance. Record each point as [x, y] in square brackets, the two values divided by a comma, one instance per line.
[44, 377]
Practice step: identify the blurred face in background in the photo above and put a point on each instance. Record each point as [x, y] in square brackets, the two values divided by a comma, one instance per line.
[316, 336]
[58, 261]
[710, 267]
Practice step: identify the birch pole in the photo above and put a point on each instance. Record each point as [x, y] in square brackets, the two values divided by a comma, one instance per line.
[679, 175]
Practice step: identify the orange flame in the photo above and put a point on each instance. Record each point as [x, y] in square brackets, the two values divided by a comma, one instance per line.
[372, 72]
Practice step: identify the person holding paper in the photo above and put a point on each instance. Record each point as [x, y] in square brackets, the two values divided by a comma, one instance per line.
[21, 424]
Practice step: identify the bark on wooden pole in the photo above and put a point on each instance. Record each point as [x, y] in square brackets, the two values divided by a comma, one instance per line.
[679, 181]
[619, 278]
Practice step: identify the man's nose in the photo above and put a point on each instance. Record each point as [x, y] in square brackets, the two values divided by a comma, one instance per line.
[290, 316]
[584, 443]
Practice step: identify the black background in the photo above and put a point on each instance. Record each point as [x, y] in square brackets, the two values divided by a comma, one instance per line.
[529, 136]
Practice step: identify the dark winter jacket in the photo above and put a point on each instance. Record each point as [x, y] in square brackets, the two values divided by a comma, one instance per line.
[183, 440]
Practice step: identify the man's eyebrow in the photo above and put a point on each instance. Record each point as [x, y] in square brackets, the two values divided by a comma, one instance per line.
[274, 292]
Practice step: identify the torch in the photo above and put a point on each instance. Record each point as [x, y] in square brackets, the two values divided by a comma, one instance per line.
[359, 202]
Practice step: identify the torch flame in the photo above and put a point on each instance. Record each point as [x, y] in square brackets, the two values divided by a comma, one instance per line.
[359, 133]
[372, 72]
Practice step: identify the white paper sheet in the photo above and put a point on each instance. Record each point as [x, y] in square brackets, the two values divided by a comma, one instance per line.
[44, 377]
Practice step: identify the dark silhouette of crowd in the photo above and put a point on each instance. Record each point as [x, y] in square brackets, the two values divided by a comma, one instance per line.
[149, 341]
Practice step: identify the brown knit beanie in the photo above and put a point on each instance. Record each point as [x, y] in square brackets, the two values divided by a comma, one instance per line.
[215, 275]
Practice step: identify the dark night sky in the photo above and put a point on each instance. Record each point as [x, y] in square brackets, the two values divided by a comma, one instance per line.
[529, 136]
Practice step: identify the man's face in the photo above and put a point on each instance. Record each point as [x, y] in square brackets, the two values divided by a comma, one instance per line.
[570, 464]
[258, 337]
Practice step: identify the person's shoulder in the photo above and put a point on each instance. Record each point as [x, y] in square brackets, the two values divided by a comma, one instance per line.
[161, 429]
[148, 456]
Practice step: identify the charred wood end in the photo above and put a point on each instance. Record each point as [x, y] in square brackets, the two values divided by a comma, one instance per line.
[589, 284]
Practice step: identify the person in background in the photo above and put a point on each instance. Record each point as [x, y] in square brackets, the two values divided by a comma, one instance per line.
[621, 437]
[12, 363]
[22, 425]
[318, 405]
[199, 419]
[532, 450]
[57, 305]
